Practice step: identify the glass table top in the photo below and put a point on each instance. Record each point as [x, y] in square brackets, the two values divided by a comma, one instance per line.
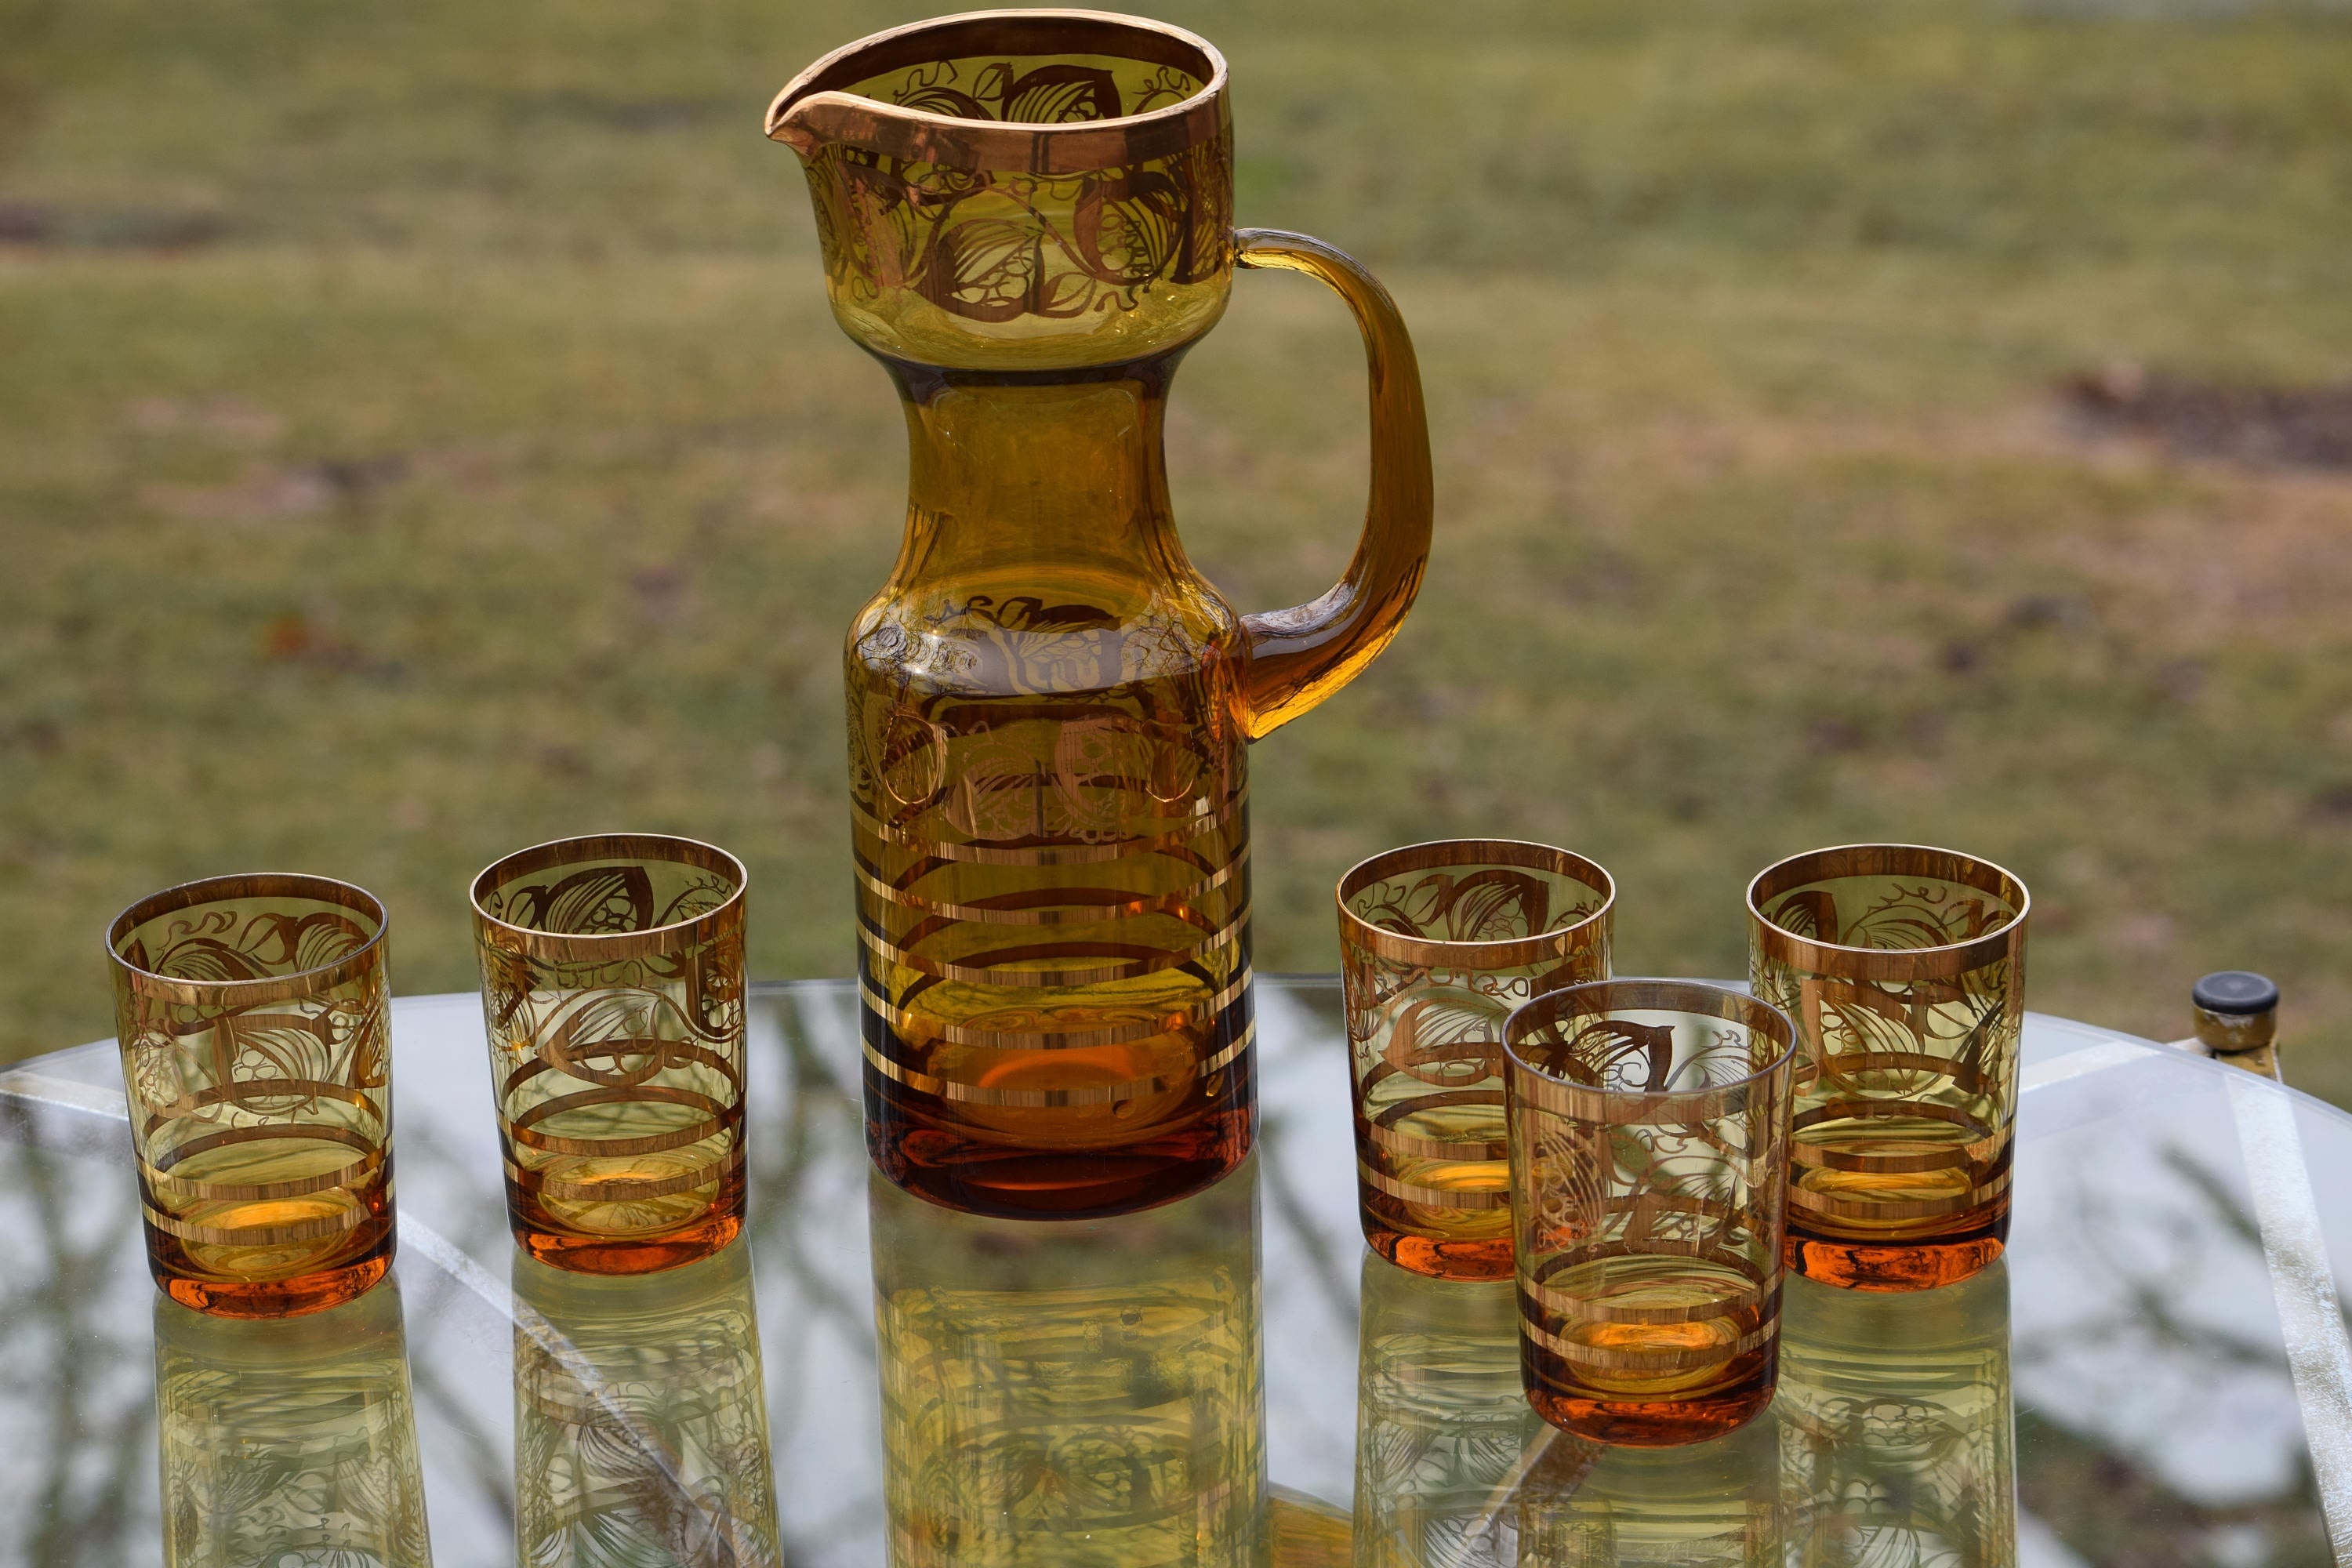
[2157, 1373]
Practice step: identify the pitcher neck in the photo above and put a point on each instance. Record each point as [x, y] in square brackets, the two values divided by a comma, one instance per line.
[1038, 474]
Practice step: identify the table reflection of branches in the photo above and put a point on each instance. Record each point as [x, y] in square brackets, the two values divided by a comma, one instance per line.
[2161, 1333]
[85, 1386]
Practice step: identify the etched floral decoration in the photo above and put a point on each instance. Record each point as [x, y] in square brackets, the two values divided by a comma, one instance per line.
[1439, 943]
[1649, 1125]
[1903, 966]
[614, 995]
[991, 246]
[252, 1013]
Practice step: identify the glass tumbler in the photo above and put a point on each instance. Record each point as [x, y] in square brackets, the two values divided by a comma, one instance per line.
[251, 1011]
[613, 989]
[1438, 942]
[1905, 970]
[1648, 1157]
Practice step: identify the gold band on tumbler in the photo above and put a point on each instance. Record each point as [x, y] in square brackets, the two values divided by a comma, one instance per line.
[613, 989]
[1903, 967]
[1438, 942]
[1649, 1153]
[257, 1054]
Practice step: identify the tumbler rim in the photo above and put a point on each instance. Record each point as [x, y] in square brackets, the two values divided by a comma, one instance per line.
[580, 848]
[1495, 952]
[1889, 963]
[1753, 1012]
[232, 886]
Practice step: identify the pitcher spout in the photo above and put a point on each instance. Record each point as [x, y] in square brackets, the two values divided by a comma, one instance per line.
[1019, 190]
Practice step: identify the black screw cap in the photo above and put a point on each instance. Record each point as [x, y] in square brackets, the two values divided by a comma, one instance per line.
[2237, 991]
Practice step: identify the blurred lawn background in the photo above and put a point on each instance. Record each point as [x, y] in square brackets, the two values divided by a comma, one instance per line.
[421, 434]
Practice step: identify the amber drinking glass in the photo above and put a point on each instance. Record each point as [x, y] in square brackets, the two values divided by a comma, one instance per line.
[1905, 970]
[1026, 217]
[289, 1442]
[1078, 1394]
[641, 1418]
[1437, 943]
[613, 987]
[1897, 1430]
[1649, 1148]
[257, 1054]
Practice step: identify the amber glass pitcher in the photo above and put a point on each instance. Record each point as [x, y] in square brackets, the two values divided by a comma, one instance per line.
[1026, 217]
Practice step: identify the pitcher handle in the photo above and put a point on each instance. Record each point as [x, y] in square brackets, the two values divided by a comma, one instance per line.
[1299, 655]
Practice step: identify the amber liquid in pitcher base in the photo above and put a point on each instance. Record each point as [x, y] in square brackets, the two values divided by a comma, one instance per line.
[1048, 814]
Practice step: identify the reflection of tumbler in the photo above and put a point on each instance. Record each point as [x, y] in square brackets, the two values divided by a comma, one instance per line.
[1441, 1419]
[1705, 1505]
[1086, 1391]
[1896, 1431]
[641, 1425]
[290, 1440]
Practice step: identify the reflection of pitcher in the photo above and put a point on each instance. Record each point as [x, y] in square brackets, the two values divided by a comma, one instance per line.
[1441, 1418]
[641, 1423]
[1078, 1395]
[1897, 1437]
[1027, 217]
[290, 1440]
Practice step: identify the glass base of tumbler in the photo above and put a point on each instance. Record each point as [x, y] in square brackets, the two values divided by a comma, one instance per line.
[581, 1252]
[1486, 1257]
[1909, 1263]
[1658, 1423]
[290, 1297]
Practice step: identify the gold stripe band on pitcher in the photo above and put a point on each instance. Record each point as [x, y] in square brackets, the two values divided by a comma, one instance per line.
[1053, 906]
[1156, 961]
[924, 1026]
[1218, 821]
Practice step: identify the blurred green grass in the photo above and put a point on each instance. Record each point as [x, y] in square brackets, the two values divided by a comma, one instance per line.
[421, 434]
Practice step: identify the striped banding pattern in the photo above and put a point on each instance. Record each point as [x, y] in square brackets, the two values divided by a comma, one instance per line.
[1648, 1146]
[1903, 966]
[251, 1014]
[982, 962]
[1439, 941]
[614, 987]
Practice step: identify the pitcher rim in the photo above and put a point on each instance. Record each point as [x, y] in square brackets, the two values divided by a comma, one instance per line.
[925, 136]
